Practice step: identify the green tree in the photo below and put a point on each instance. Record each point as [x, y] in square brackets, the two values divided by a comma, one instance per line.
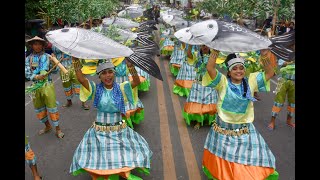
[239, 9]
[70, 10]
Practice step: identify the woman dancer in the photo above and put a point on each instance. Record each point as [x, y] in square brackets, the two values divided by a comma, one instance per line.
[234, 148]
[109, 147]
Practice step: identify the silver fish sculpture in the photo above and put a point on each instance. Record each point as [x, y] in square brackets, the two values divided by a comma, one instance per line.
[132, 13]
[127, 35]
[170, 12]
[184, 35]
[230, 37]
[175, 21]
[85, 44]
[121, 22]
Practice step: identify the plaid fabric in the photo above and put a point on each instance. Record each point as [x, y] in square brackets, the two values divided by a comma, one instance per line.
[167, 42]
[178, 55]
[105, 117]
[202, 95]
[121, 73]
[27, 149]
[130, 106]
[248, 149]
[102, 151]
[186, 72]
[121, 79]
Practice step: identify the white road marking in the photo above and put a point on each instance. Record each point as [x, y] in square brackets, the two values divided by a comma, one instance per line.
[30, 97]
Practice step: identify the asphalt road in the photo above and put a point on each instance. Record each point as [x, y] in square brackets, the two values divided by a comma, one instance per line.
[177, 148]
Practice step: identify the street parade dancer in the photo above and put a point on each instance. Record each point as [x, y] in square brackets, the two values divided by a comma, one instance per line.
[187, 73]
[134, 109]
[233, 147]
[70, 84]
[285, 89]
[37, 66]
[200, 105]
[109, 147]
[177, 57]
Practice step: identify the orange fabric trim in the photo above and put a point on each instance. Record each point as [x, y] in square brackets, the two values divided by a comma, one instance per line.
[168, 48]
[142, 79]
[176, 65]
[197, 108]
[95, 172]
[29, 155]
[184, 83]
[291, 109]
[42, 114]
[68, 93]
[54, 116]
[276, 109]
[76, 90]
[222, 169]
[131, 112]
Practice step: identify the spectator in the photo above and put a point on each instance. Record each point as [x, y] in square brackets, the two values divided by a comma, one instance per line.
[282, 28]
[290, 27]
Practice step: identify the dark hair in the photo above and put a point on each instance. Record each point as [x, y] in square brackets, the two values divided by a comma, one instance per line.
[245, 88]
[201, 53]
[42, 42]
[229, 57]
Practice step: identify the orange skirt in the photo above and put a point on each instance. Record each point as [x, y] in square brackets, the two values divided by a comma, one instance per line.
[225, 170]
[184, 83]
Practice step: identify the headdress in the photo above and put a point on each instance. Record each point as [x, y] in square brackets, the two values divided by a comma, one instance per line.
[107, 65]
[234, 61]
[36, 38]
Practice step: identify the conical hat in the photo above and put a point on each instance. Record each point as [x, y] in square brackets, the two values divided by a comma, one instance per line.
[36, 38]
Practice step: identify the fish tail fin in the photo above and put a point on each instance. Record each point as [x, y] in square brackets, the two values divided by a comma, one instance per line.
[146, 63]
[285, 39]
[282, 52]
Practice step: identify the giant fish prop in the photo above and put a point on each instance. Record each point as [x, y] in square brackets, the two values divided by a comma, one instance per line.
[128, 24]
[177, 21]
[184, 35]
[140, 37]
[230, 37]
[121, 22]
[131, 12]
[170, 12]
[85, 44]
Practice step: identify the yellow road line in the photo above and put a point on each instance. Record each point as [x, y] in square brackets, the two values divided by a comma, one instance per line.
[189, 156]
[169, 170]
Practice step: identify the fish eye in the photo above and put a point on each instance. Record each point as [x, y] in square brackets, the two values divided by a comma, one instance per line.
[210, 26]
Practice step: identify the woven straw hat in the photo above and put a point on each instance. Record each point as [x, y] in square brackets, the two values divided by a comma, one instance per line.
[36, 38]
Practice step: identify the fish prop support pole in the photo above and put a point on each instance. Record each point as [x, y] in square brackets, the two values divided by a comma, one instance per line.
[57, 63]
